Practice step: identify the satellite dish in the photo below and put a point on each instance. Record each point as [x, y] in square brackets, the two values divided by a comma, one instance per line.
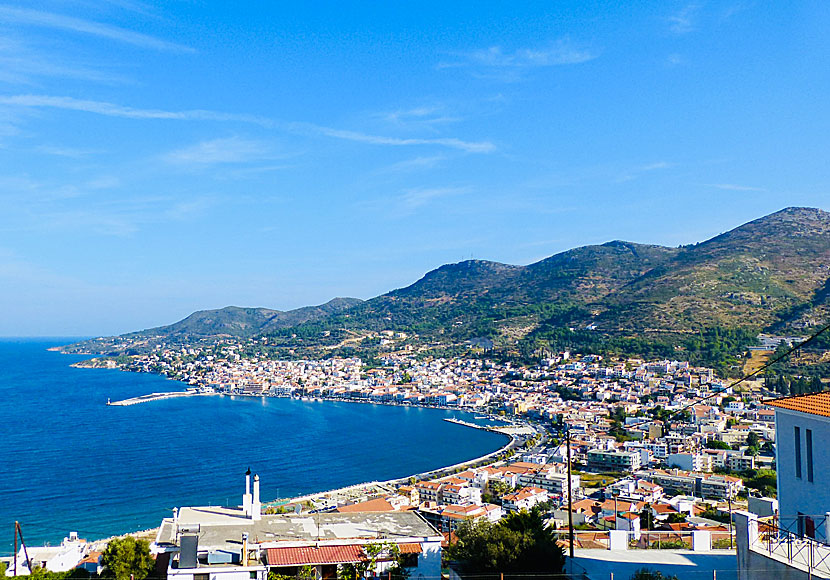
[298, 508]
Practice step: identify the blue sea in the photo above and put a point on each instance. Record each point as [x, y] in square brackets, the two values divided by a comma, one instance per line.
[68, 462]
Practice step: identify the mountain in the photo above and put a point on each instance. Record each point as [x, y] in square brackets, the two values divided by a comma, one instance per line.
[246, 322]
[231, 321]
[770, 274]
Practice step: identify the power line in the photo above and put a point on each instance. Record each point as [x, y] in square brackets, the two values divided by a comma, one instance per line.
[744, 378]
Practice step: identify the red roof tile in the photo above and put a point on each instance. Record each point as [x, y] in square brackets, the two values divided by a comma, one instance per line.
[315, 555]
[373, 505]
[814, 404]
[410, 548]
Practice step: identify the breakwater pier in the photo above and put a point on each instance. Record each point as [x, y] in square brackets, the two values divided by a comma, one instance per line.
[506, 429]
[158, 397]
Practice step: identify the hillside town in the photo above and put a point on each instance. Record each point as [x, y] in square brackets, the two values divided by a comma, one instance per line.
[662, 452]
[635, 421]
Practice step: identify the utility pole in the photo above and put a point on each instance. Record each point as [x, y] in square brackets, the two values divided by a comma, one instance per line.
[729, 501]
[570, 493]
[18, 531]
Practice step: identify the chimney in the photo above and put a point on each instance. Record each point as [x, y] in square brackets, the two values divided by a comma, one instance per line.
[246, 499]
[256, 507]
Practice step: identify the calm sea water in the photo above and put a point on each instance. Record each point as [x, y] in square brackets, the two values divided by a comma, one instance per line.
[69, 462]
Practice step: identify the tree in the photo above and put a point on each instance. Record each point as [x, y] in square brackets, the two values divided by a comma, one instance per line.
[125, 556]
[498, 489]
[519, 544]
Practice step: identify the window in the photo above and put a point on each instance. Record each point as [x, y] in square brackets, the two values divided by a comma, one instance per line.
[201, 577]
[809, 441]
[798, 452]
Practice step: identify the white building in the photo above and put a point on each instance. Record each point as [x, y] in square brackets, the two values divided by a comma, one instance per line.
[802, 430]
[690, 461]
[214, 543]
[524, 499]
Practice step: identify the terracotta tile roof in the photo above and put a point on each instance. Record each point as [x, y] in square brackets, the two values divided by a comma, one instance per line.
[373, 505]
[814, 404]
[410, 548]
[311, 555]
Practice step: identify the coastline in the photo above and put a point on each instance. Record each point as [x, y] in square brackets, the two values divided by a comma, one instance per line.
[376, 486]
[145, 527]
[151, 533]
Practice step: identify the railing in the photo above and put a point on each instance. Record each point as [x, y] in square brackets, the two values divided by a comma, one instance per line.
[649, 540]
[792, 542]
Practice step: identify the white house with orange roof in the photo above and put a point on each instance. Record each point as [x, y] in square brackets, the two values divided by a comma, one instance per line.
[802, 430]
[525, 498]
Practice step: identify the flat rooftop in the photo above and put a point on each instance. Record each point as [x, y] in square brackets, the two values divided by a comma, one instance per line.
[222, 528]
[684, 564]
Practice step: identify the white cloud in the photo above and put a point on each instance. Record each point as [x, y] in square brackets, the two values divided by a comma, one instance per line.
[655, 166]
[113, 110]
[22, 16]
[417, 116]
[734, 187]
[563, 52]
[71, 152]
[414, 164]
[685, 20]
[451, 142]
[415, 198]
[22, 64]
[217, 151]
[635, 172]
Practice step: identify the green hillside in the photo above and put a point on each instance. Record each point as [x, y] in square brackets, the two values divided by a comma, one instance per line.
[705, 301]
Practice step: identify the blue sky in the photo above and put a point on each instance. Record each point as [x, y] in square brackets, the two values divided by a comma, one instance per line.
[157, 159]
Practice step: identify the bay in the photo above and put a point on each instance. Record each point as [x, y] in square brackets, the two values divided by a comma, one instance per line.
[68, 462]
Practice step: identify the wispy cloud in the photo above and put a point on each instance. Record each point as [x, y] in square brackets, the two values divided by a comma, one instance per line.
[415, 198]
[685, 20]
[70, 152]
[21, 16]
[114, 110]
[451, 142]
[635, 172]
[414, 164]
[734, 187]
[97, 205]
[562, 52]
[220, 151]
[22, 64]
[417, 116]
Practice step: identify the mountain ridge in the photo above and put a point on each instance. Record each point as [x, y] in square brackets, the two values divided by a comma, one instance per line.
[772, 272]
